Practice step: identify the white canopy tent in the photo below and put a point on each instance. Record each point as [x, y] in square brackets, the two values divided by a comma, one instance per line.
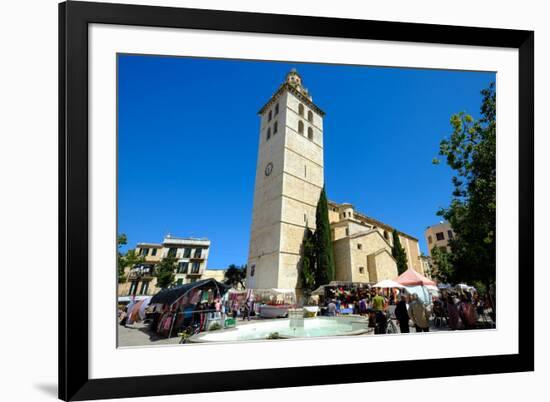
[388, 283]
[422, 292]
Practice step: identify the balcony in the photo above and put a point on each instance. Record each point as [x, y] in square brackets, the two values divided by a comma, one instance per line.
[141, 271]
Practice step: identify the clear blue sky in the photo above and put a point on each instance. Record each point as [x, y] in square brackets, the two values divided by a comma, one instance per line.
[188, 137]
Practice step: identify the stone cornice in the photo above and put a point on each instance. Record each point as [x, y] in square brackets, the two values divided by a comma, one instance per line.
[286, 86]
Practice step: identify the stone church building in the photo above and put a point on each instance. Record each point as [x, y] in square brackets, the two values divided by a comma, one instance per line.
[289, 179]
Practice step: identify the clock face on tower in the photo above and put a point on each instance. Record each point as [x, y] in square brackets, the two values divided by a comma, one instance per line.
[268, 169]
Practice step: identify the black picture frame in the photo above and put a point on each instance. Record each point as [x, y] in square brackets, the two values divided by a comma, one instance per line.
[74, 18]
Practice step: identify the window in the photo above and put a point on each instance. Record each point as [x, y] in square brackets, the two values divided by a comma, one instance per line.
[310, 133]
[362, 270]
[198, 252]
[347, 231]
[144, 288]
[300, 127]
[450, 234]
[186, 252]
[268, 136]
[182, 267]
[275, 128]
[440, 236]
[359, 246]
[310, 116]
[430, 240]
[154, 252]
[386, 235]
[269, 116]
[195, 268]
[144, 251]
[172, 252]
[132, 289]
[301, 109]
[305, 218]
[179, 281]
[252, 270]
[276, 109]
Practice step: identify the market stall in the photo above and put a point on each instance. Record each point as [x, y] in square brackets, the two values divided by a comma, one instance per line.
[195, 303]
[346, 295]
[416, 283]
[136, 311]
[274, 303]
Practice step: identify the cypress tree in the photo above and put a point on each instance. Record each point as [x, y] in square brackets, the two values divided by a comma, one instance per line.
[307, 273]
[398, 252]
[323, 243]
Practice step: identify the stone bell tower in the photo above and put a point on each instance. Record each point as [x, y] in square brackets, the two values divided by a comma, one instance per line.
[289, 179]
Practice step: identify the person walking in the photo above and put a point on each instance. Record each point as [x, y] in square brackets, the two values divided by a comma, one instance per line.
[419, 315]
[467, 313]
[402, 315]
[452, 312]
[379, 302]
[362, 306]
[379, 305]
[331, 309]
[246, 311]
[235, 309]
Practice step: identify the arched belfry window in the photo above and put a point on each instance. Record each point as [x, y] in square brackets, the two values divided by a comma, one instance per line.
[301, 127]
[268, 136]
[310, 133]
[275, 128]
[269, 116]
[276, 109]
[310, 116]
[301, 109]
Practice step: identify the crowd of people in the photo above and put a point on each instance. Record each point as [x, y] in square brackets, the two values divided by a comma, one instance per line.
[462, 310]
[457, 310]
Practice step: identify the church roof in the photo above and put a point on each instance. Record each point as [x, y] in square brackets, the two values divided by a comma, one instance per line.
[364, 233]
[285, 86]
[372, 221]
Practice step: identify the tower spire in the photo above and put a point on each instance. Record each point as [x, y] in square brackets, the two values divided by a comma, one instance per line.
[295, 80]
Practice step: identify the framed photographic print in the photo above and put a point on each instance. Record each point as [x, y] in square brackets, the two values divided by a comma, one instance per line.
[258, 200]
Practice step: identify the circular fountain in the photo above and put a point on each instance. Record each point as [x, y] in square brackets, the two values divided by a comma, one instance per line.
[293, 327]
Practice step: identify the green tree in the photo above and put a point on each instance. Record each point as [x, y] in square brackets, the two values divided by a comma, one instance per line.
[165, 272]
[126, 260]
[131, 258]
[324, 272]
[235, 276]
[442, 265]
[398, 252]
[471, 152]
[307, 271]
[121, 240]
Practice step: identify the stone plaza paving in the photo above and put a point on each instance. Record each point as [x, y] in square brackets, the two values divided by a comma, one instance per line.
[138, 334]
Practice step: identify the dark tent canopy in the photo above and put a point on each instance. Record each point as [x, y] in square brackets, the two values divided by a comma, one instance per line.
[171, 295]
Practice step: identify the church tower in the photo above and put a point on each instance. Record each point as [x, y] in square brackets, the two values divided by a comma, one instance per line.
[289, 179]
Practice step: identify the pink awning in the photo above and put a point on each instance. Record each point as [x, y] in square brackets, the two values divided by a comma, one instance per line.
[412, 278]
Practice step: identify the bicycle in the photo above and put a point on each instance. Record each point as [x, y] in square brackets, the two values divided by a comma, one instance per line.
[188, 332]
[382, 322]
[391, 328]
